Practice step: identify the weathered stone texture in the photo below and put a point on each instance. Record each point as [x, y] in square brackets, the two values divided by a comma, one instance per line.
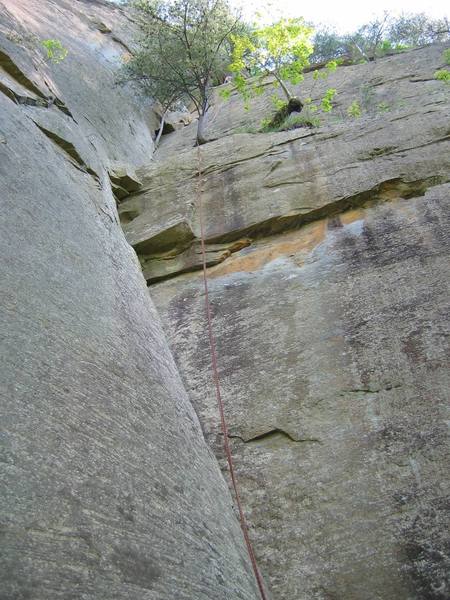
[81, 91]
[332, 330]
[108, 488]
[332, 345]
[328, 262]
[258, 184]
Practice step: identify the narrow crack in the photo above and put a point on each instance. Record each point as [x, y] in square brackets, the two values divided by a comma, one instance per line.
[393, 150]
[422, 80]
[276, 184]
[272, 433]
[18, 75]
[227, 166]
[69, 151]
[386, 388]
[392, 80]
[121, 43]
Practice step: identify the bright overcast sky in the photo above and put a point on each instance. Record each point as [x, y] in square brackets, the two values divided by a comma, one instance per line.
[347, 15]
[344, 15]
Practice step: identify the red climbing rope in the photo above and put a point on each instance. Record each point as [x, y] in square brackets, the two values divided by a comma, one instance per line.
[215, 373]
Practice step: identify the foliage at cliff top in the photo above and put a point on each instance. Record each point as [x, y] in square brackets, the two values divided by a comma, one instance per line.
[183, 50]
[280, 50]
[187, 46]
[382, 35]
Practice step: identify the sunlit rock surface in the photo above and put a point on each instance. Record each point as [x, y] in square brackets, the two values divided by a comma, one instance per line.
[331, 321]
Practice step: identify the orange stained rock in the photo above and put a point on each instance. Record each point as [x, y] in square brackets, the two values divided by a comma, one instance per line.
[303, 240]
[350, 216]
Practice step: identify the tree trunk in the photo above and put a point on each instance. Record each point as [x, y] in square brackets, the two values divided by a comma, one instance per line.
[201, 130]
[283, 86]
[285, 89]
[160, 131]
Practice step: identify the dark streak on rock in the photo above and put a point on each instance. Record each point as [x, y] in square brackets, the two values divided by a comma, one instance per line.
[136, 569]
[386, 388]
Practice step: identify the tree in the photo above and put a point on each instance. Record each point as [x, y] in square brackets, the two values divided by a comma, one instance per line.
[182, 51]
[328, 45]
[418, 30]
[55, 50]
[365, 44]
[280, 50]
[384, 35]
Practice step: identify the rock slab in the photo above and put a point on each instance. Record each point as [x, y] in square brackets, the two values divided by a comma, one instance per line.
[331, 326]
[108, 487]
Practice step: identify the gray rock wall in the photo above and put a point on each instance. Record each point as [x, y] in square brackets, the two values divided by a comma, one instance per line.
[87, 108]
[333, 358]
[108, 488]
[328, 252]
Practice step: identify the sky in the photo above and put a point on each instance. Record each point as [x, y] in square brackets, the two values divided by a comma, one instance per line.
[348, 15]
[344, 15]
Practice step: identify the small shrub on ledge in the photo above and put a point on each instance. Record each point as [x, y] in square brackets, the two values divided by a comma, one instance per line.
[292, 121]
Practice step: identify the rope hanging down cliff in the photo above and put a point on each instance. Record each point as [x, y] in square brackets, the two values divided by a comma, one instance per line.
[215, 374]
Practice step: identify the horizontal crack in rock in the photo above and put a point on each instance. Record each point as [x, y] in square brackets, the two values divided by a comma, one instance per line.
[186, 260]
[19, 76]
[227, 166]
[382, 191]
[390, 150]
[386, 388]
[270, 434]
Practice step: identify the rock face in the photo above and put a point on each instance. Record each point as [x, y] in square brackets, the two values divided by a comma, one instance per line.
[327, 253]
[330, 308]
[108, 488]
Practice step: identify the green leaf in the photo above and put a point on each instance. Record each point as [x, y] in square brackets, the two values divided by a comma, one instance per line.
[225, 93]
[55, 50]
[354, 110]
[327, 100]
[442, 75]
[281, 50]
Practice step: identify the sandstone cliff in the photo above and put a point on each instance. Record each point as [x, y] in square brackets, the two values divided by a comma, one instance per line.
[108, 488]
[328, 254]
[328, 266]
